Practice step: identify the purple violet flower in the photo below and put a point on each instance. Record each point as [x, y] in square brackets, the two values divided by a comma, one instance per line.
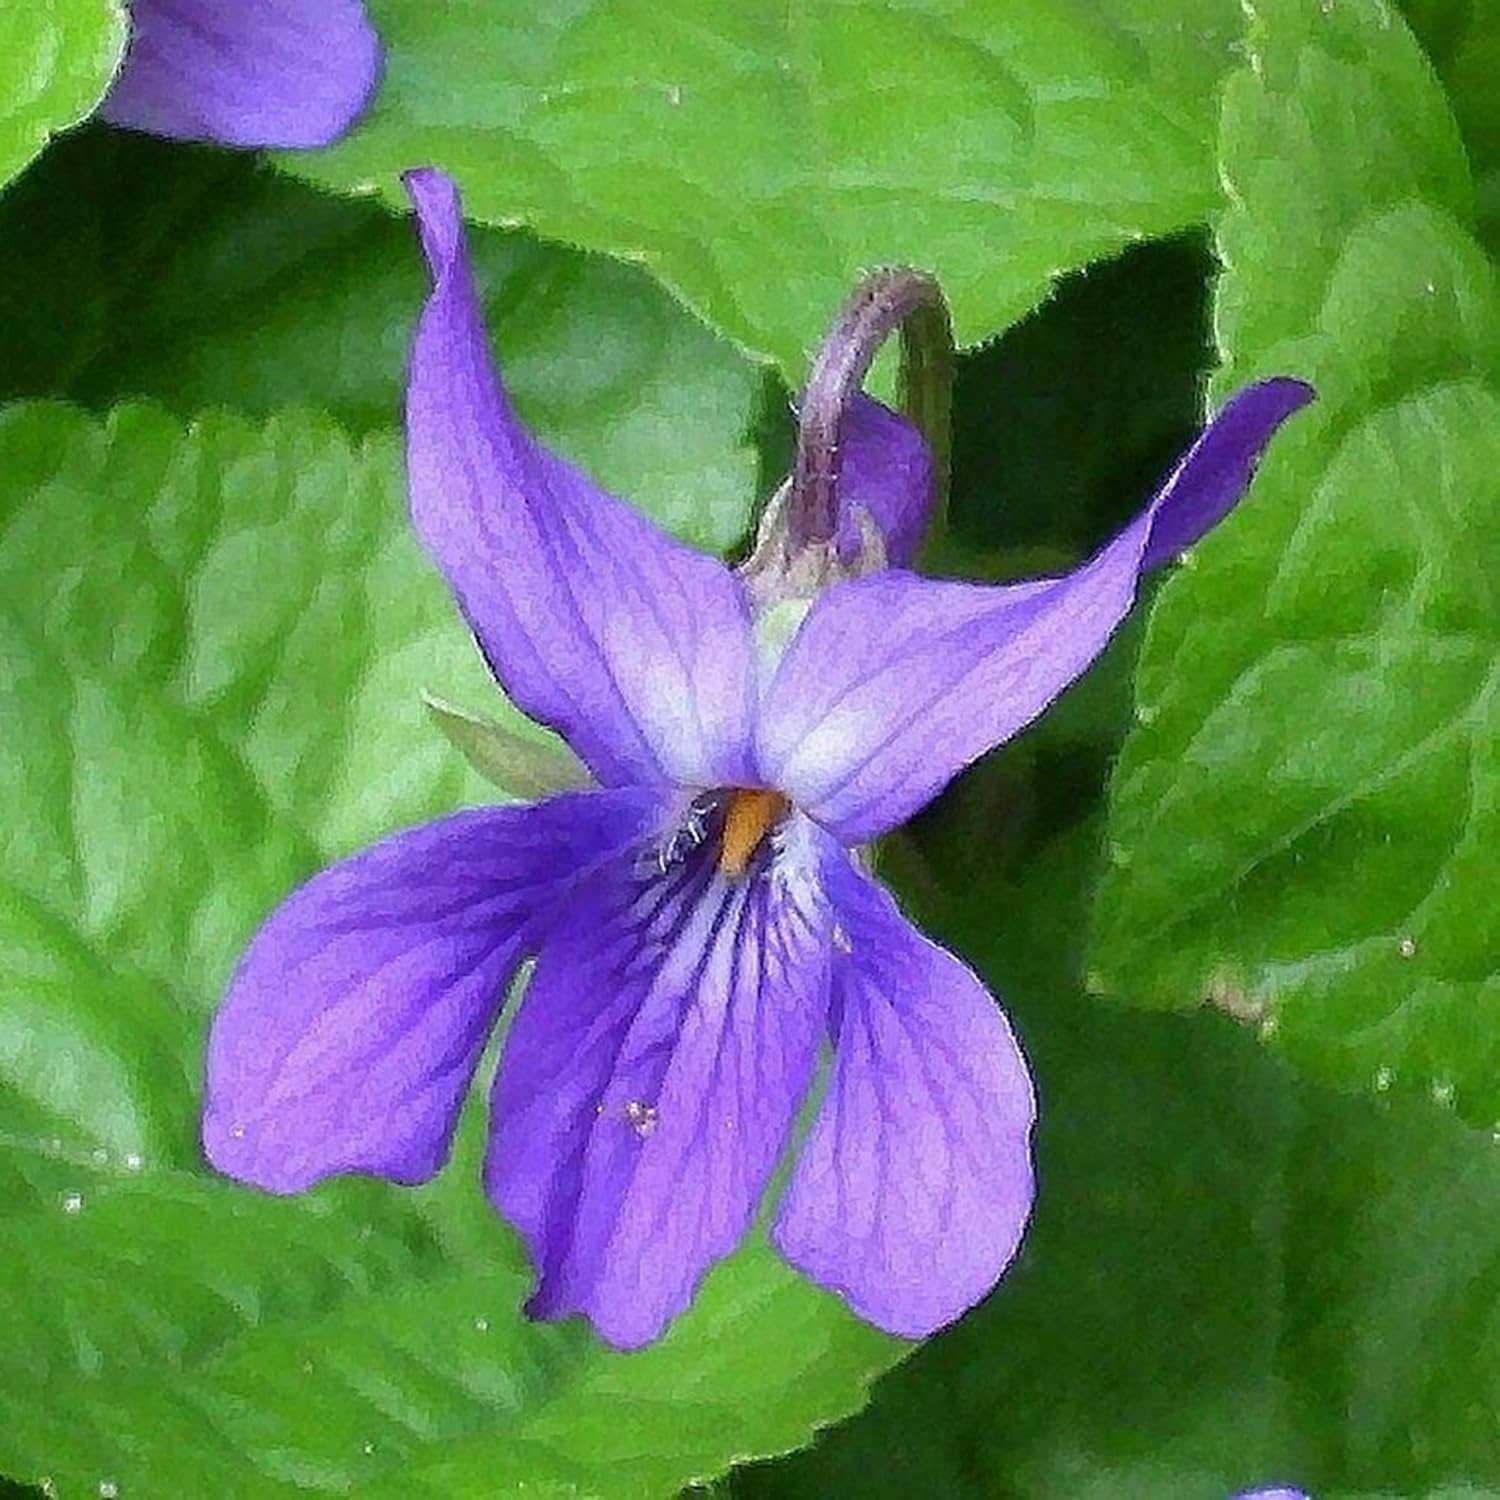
[246, 72]
[702, 921]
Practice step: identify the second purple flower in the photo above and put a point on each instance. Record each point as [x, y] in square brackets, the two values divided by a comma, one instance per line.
[246, 73]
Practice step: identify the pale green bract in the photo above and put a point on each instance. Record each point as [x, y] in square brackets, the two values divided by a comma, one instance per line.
[1303, 822]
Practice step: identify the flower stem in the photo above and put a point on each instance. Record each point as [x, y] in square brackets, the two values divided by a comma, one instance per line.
[894, 298]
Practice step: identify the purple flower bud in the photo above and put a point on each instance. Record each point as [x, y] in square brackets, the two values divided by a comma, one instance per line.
[886, 480]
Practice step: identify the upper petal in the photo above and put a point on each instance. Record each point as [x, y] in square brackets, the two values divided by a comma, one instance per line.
[911, 1193]
[354, 1022]
[886, 472]
[650, 1081]
[246, 72]
[633, 646]
[894, 683]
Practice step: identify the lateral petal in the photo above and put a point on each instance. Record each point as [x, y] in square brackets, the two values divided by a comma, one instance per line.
[351, 1029]
[914, 1186]
[894, 683]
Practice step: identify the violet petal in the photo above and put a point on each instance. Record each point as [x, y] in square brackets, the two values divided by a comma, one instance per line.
[894, 683]
[246, 72]
[913, 1188]
[633, 646]
[886, 471]
[352, 1027]
[1215, 472]
[649, 1083]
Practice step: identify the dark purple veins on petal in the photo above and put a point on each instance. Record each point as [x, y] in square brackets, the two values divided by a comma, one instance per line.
[650, 1081]
[351, 1029]
[914, 1186]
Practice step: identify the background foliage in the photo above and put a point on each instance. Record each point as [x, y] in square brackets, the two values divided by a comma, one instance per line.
[1265, 1245]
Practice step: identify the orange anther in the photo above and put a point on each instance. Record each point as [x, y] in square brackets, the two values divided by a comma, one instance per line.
[752, 813]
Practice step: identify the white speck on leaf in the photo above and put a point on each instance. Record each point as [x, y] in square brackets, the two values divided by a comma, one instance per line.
[1226, 994]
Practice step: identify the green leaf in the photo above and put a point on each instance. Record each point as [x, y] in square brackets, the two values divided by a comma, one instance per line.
[1125, 1353]
[1303, 821]
[57, 58]
[214, 642]
[759, 160]
[1233, 1275]
[199, 279]
[1064, 424]
[1462, 37]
